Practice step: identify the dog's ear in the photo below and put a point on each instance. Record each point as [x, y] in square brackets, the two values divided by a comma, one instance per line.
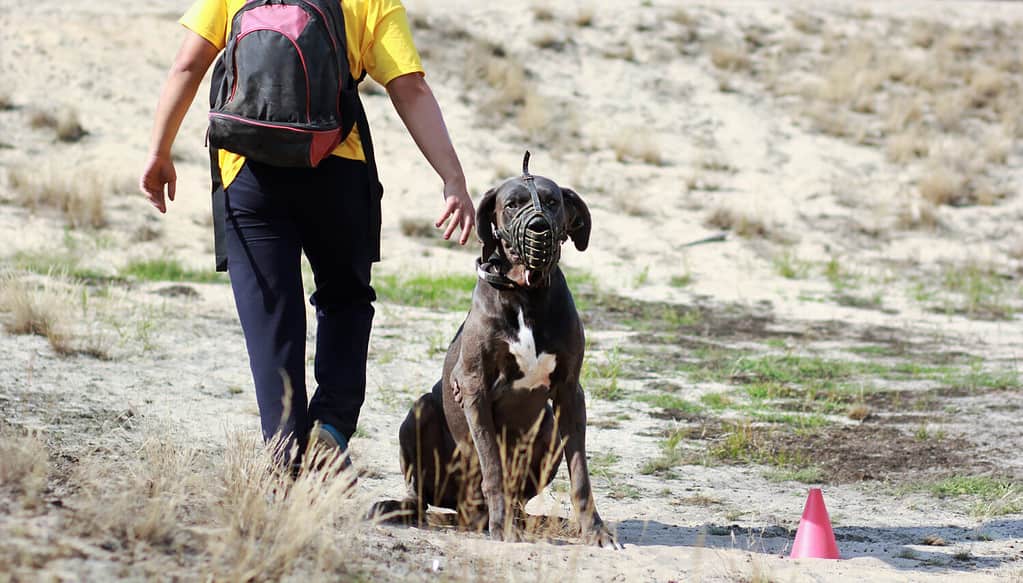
[485, 221]
[578, 219]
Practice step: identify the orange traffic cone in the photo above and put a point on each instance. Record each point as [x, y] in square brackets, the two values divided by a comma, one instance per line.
[814, 537]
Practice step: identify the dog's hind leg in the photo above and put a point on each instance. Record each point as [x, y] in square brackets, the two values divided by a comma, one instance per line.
[426, 451]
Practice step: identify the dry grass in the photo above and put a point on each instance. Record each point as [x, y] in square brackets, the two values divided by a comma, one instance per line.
[909, 87]
[79, 196]
[908, 146]
[630, 204]
[42, 119]
[535, 114]
[637, 145]
[738, 221]
[24, 465]
[729, 55]
[417, 227]
[233, 519]
[941, 185]
[806, 23]
[584, 17]
[917, 213]
[43, 311]
[549, 39]
[542, 12]
[69, 128]
[66, 124]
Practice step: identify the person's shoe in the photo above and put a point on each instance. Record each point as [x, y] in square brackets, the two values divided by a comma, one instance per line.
[325, 441]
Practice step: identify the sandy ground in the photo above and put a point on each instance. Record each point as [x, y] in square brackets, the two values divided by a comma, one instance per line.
[178, 367]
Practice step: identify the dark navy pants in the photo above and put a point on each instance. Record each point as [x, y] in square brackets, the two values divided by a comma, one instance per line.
[274, 215]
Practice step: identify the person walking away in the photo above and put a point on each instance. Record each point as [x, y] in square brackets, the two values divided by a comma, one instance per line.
[331, 212]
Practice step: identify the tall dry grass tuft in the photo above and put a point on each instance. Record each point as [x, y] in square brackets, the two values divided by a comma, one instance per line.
[637, 145]
[24, 464]
[518, 462]
[44, 311]
[79, 196]
[143, 497]
[269, 522]
[232, 518]
[941, 185]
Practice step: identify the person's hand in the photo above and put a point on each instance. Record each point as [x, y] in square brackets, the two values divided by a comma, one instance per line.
[159, 173]
[457, 207]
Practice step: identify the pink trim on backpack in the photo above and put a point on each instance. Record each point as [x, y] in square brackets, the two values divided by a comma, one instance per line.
[323, 144]
[287, 20]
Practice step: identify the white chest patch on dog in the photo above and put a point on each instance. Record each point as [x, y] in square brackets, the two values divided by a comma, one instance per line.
[536, 368]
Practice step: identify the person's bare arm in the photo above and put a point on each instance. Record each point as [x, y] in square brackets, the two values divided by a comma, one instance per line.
[190, 65]
[418, 109]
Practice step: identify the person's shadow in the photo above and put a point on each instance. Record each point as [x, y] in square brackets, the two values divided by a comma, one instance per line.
[890, 544]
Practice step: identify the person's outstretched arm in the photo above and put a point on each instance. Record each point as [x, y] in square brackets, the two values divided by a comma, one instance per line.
[418, 109]
[193, 59]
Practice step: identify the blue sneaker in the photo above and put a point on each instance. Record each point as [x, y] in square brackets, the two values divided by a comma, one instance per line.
[327, 438]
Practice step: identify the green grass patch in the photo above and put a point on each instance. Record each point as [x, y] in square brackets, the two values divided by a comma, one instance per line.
[671, 402]
[169, 270]
[797, 421]
[716, 401]
[602, 465]
[991, 496]
[791, 369]
[976, 379]
[600, 379]
[63, 264]
[671, 455]
[808, 475]
[451, 292]
[748, 443]
[789, 266]
[681, 281]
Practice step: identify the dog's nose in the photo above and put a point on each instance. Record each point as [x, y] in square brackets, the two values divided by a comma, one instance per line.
[538, 225]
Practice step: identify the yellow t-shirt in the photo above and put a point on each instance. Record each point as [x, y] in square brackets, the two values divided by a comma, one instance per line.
[379, 42]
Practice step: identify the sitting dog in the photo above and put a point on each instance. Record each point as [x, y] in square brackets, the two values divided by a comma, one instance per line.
[487, 437]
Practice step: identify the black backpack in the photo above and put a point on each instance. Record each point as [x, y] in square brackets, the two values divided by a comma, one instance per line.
[282, 93]
[282, 90]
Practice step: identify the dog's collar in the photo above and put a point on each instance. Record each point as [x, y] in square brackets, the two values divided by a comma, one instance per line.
[490, 273]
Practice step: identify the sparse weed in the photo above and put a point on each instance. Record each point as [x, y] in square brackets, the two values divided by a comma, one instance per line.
[742, 223]
[789, 266]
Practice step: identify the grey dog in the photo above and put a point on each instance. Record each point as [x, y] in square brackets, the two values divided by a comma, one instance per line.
[518, 352]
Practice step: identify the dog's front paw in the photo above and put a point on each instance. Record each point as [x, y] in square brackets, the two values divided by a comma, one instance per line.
[599, 535]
